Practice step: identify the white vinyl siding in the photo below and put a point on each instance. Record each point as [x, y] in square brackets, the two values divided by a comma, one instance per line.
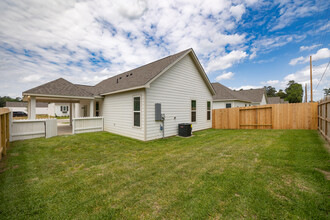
[118, 114]
[174, 90]
[222, 104]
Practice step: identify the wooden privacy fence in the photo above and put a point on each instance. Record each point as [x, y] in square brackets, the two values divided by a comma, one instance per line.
[4, 130]
[275, 116]
[87, 124]
[324, 117]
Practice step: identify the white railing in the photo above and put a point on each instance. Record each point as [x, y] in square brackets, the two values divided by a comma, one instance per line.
[87, 124]
[27, 129]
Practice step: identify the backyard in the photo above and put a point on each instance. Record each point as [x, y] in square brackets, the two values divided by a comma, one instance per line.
[214, 174]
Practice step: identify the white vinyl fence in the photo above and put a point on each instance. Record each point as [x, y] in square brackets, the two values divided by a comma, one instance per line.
[27, 129]
[87, 124]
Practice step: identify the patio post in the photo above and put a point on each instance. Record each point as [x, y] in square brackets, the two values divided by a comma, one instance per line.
[91, 108]
[32, 108]
[71, 106]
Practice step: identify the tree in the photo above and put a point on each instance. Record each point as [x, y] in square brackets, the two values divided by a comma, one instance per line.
[281, 94]
[4, 99]
[271, 91]
[326, 91]
[294, 92]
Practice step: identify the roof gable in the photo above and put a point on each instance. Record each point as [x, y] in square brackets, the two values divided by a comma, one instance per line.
[59, 87]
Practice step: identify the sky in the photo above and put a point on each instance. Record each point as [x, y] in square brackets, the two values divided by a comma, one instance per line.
[240, 43]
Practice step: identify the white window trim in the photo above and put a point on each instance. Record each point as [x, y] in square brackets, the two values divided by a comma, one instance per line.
[193, 122]
[231, 105]
[136, 96]
[208, 110]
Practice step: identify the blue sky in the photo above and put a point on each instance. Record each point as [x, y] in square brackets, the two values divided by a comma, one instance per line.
[240, 43]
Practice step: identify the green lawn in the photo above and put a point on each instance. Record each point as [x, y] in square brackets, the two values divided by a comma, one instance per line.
[215, 174]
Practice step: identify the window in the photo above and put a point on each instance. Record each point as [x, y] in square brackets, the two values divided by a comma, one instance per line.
[137, 112]
[208, 117]
[64, 108]
[97, 109]
[228, 105]
[193, 110]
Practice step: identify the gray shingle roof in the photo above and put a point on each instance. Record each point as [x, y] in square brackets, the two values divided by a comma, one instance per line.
[255, 95]
[24, 104]
[133, 78]
[274, 100]
[137, 77]
[224, 93]
[59, 87]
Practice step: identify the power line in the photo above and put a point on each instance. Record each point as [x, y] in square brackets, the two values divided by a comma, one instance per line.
[322, 75]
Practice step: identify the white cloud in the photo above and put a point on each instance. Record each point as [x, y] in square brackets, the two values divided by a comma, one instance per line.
[238, 11]
[303, 48]
[296, 60]
[272, 82]
[226, 61]
[224, 76]
[323, 53]
[246, 87]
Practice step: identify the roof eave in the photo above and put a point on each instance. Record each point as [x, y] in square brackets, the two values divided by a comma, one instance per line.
[57, 96]
[125, 90]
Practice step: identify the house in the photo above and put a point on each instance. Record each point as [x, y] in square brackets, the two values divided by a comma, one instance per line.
[177, 84]
[59, 109]
[228, 98]
[41, 108]
[257, 96]
[276, 100]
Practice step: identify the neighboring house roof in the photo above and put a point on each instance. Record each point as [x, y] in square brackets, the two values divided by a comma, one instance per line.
[255, 95]
[274, 100]
[24, 104]
[224, 93]
[137, 78]
[60, 87]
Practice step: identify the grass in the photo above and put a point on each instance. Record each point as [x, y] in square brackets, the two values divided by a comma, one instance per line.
[215, 174]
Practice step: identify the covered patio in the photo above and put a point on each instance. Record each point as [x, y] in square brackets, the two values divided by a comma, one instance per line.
[82, 103]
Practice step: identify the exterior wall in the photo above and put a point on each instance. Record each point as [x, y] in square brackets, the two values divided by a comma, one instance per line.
[174, 90]
[222, 104]
[118, 114]
[263, 101]
[54, 109]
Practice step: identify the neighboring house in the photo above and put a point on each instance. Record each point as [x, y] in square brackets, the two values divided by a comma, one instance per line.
[59, 109]
[41, 108]
[256, 96]
[227, 98]
[275, 100]
[127, 101]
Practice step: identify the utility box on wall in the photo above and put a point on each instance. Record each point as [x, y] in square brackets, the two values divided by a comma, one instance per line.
[158, 112]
